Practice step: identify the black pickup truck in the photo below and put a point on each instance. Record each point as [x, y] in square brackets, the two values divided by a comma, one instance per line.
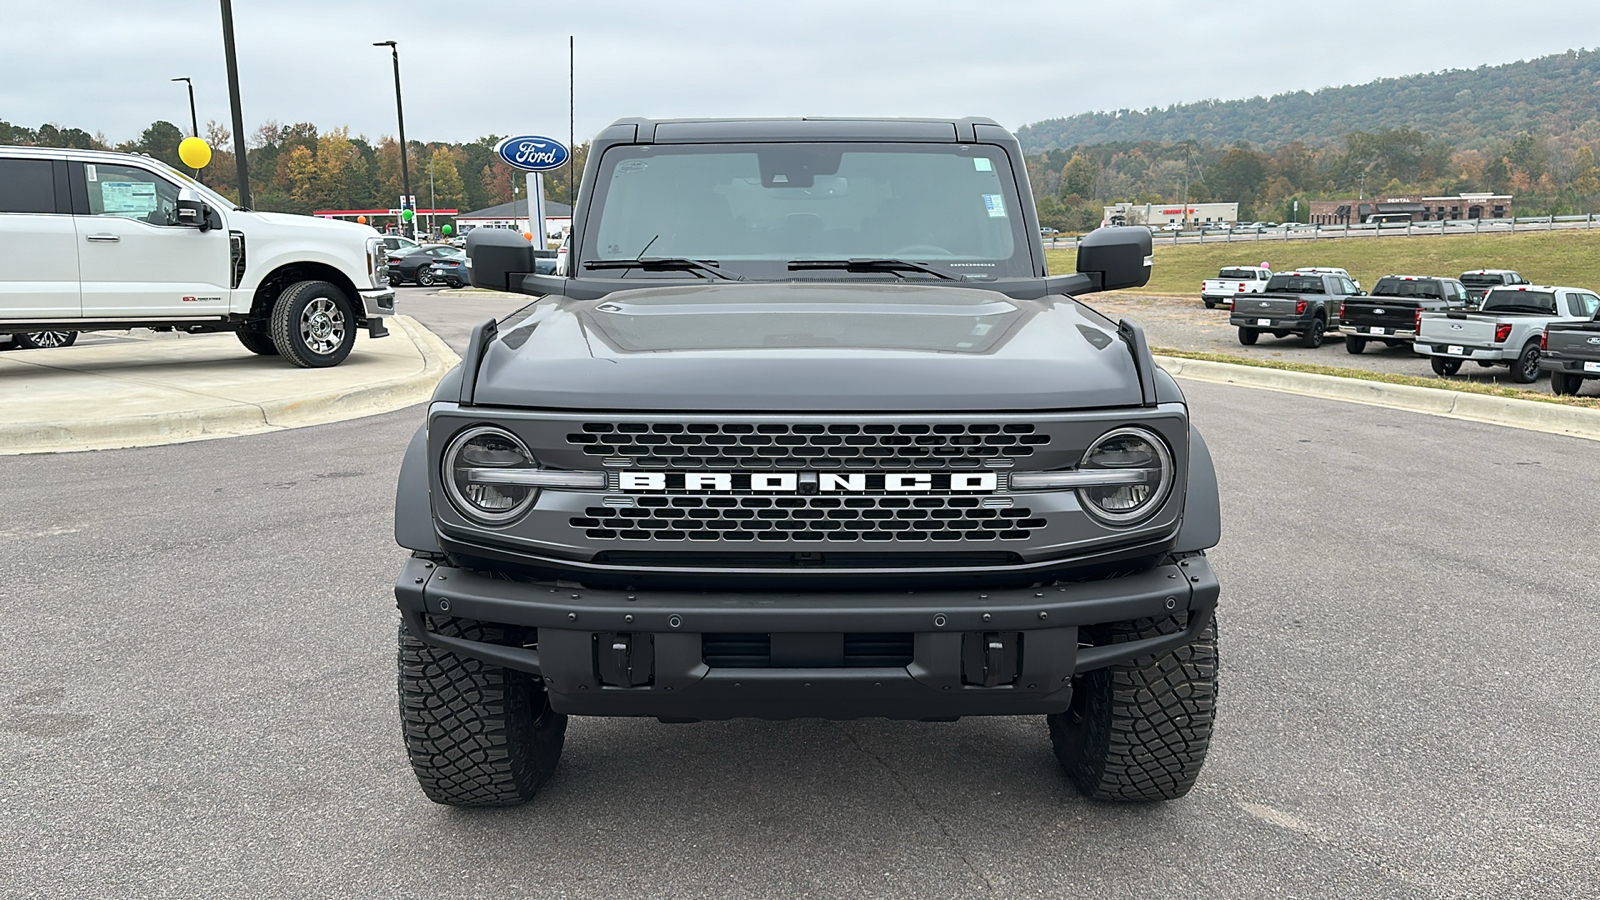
[1303, 303]
[1390, 313]
[1570, 351]
[1480, 282]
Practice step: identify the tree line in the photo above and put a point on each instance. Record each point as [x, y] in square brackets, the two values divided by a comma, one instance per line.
[1548, 175]
[300, 168]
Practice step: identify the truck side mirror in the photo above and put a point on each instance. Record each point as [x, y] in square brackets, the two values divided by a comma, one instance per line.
[192, 212]
[501, 258]
[1119, 256]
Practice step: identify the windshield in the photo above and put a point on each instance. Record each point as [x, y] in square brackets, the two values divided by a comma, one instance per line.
[1520, 301]
[755, 208]
[1238, 274]
[1399, 287]
[1295, 284]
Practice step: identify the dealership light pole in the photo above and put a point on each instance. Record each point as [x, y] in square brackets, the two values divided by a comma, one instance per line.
[194, 120]
[400, 112]
[233, 100]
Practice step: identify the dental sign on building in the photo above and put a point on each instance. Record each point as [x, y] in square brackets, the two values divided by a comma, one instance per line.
[534, 154]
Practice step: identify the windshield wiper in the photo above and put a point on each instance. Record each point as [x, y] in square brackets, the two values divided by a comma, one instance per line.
[868, 265]
[703, 267]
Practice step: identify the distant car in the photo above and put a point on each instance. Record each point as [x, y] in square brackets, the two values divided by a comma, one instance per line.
[451, 271]
[1330, 270]
[38, 340]
[1046, 231]
[416, 266]
[394, 243]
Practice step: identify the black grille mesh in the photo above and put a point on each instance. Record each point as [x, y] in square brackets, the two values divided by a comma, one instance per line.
[790, 518]
[727, 445]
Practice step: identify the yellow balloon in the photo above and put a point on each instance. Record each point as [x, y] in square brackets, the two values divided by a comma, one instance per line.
[194, 152]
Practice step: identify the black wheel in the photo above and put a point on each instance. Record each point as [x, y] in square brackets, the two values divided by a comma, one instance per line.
[1354, 344]
[395, 280]
[1563, 384]
[44, 340]
[1210, 305]
[1248, 336]
[313, 325]
[258, 342]
[1315, 336]
[1139, 731]
[1443, 365]
[425, 278]
[477, 734]
[454, 283]
[1525, 370]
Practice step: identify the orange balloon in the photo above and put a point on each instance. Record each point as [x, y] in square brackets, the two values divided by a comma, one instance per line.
[361, 220]
[528, 235]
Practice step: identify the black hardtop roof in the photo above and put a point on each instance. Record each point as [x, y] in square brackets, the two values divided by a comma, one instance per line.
[810, 128]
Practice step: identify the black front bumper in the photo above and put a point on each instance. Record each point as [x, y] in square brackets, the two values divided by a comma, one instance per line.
[577, 628]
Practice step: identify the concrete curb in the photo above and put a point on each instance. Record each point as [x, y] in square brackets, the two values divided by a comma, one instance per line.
[243, 417]
[484, 293]
[1532, 415]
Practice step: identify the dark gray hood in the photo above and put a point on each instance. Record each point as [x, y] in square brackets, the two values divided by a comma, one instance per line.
[807, 347]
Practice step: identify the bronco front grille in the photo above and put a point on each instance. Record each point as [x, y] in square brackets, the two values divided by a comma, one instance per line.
[808, 518]
[727, 445]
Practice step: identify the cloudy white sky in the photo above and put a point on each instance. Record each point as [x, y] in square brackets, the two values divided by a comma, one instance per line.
[473, 67]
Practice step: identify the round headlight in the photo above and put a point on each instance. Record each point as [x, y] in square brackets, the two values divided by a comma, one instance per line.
[1128, 450]
[486, 447]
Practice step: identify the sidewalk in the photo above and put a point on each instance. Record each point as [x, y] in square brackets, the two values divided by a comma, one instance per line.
[194, 387]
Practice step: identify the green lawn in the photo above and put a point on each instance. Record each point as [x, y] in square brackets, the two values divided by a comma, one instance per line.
[1547, 257]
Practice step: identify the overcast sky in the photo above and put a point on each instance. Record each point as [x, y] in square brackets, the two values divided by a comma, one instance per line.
[472, 67]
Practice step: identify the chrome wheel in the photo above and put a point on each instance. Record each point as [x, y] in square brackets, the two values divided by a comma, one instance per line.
[49, 338]
[322, 326]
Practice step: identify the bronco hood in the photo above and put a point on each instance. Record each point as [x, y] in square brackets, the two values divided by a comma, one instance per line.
[807, 347]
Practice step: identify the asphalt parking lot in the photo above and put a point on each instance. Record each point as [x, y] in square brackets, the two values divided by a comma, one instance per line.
[199, 696]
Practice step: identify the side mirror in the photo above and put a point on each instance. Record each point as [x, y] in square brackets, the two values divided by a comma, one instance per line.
[192, 212]
[500, 258]
[1119, 256]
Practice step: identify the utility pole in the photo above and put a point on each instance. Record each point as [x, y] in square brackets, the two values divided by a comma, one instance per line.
[233, 99]
[405, 170]
[433, 203]
[194, 119]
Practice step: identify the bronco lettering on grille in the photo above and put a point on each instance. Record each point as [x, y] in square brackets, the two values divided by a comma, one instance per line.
[811, 482]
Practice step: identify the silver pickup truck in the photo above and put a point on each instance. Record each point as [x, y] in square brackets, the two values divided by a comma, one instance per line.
[1506, 330]
[1570, 351]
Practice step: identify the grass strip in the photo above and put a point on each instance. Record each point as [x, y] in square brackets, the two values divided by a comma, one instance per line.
[1462, 387]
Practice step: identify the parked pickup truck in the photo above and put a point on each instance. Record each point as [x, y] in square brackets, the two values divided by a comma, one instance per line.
[1232, 281]
[1389, 313]
[1505, 331]
[99, 241]
[1480, 282]
[1300, 303]
[1570, 351]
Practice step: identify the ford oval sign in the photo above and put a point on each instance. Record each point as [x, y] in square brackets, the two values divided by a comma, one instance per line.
[531, 153]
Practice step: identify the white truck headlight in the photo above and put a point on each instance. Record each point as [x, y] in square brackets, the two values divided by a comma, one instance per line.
[1124, 476]
[492, 479]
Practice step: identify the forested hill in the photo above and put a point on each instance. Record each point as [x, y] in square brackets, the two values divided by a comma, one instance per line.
[1551, 95]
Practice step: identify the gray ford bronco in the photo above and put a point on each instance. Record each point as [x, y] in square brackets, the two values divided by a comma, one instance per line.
[806, 429]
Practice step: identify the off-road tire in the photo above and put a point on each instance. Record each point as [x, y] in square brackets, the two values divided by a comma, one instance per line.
[1443, 366]
[44, 340]
[1525, 368]
[257, 342]
[1248, 336]
[1354, 345]
[1139, 731]
[477, 734]
[287, 325]
[1562, 384]
[1313, 338]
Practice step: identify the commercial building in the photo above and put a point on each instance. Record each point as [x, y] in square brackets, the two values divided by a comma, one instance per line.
[1171, 213]
[1411, 209]
[514, 215]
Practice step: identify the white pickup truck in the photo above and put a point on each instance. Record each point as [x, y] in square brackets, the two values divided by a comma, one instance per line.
[1231, 281]
[99, 241]
[1504, 331]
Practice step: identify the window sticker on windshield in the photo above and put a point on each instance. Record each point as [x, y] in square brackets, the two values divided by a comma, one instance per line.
[88, 169]
[982, 164]
[996, 205]
[630, 166]
[122, 197]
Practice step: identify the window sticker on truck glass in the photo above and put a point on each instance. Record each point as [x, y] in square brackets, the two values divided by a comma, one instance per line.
[996, 205]
[120, 198]
[982, 164]
[90, 173]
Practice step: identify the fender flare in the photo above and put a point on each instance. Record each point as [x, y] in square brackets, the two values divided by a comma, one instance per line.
[413, 508]
[1202, 508]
